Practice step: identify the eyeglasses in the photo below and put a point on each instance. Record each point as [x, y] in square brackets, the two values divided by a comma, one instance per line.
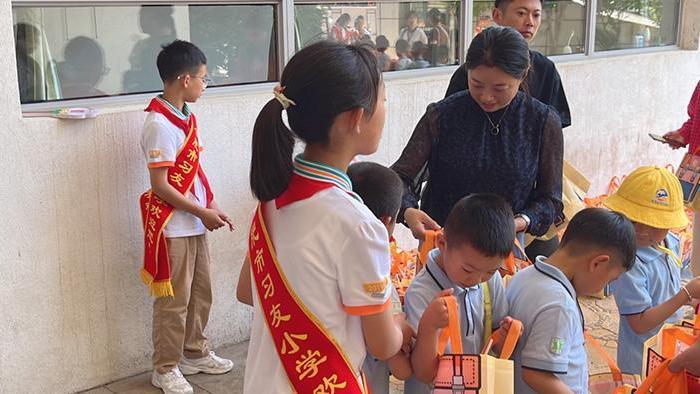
[206, 80]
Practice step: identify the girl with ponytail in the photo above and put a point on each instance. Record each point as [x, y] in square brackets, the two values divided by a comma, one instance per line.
[318, 266]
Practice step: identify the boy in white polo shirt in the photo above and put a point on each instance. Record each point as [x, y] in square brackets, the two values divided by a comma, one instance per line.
[598, 246]
[177, 212]
[478, 236]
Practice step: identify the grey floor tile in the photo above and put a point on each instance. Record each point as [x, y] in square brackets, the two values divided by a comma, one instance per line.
[231, 382]
[141, 384]
[98, 390]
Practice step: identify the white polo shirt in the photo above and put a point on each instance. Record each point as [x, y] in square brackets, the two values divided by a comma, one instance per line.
[329, 246]
[544, 299]
[161, 142]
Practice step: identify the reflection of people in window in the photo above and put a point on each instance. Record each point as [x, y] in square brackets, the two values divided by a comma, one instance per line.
[438, 33]
[158, 23]
[340, 29]
[403, 62]
[252, 37]
[83, 68]
[383, 59]
[362, 33]
[26, 37]
[418, 51]
[412, 33]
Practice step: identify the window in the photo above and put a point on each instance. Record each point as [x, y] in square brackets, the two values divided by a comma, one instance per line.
[79, 52]
[622, 24]
[71, 50]
[562, 29]
[406, 35]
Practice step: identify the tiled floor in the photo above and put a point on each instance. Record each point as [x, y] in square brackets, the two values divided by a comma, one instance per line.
[601, 320]
[231, 382]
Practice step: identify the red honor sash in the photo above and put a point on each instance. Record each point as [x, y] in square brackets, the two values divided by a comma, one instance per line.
[156, 213]
[312, 358]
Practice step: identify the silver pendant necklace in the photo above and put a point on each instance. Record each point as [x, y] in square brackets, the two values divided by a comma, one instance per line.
[496, 128]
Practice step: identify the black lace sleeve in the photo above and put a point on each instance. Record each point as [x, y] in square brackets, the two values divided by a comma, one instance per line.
[412, 165]
[545, 207]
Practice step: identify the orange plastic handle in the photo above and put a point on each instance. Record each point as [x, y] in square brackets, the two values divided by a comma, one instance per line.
[452, 332]
[429, 244]
[614, 369]
[511, 341]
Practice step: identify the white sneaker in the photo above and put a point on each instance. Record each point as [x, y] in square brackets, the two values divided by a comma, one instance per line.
[172, 382]
[211, 364]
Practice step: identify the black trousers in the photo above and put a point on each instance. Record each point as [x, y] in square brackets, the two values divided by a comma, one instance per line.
[542, 248]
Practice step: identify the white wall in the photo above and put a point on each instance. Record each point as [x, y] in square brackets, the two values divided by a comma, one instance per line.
[74, 313]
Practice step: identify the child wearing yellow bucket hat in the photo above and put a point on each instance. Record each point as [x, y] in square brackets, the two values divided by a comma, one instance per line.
[651, 293]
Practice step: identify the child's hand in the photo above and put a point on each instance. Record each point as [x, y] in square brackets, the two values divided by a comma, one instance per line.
[407, 331]
[211, 219]
[226, 219]
[694, 287]
[505, 323]
[435, 315]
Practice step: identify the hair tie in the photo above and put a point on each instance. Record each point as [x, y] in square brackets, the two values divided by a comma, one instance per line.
[278, 91]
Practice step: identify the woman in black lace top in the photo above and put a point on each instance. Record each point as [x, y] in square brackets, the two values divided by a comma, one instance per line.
[489, 139]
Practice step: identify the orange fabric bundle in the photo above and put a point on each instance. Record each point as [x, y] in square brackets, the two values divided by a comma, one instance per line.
[403, 267]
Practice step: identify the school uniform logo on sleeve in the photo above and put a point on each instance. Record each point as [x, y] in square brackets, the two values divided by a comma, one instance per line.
[376, 289]
[154, 153]
[556, 345]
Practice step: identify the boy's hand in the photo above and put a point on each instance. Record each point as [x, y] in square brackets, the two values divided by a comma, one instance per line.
[407, 331]
[226, 219]
[505, 323]
[693, 287]
[675, 139]
[211, 219]
[436, 316]
[419, 222]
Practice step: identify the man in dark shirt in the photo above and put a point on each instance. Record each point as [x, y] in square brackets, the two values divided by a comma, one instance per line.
[543, 81]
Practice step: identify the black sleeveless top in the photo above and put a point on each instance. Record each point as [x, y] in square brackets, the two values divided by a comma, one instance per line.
[454, 150]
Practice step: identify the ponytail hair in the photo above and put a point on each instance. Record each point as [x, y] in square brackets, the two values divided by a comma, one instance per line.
[321, 81]
[271, 161]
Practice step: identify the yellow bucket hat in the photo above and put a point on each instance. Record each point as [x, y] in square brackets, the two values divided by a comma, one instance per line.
[650, 195]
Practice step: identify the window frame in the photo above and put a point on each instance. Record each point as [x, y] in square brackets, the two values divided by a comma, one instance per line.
[285, 28]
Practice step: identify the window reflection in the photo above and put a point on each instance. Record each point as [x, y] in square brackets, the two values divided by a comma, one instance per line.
[404, 35]
[80, 52]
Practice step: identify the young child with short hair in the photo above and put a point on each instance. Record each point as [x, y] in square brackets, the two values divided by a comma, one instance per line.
[381, 189]
[383, 59]
[651, 293]
[478, 236]
[597, 247]
[177, 212]
[402, 52]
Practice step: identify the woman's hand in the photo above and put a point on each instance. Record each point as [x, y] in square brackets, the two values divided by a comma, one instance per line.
[675, 139]
[520, 224]
[419, 222]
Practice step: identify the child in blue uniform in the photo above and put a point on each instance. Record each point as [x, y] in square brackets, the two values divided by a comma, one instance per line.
[478, 236]
[598, 246]
[651, 293]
